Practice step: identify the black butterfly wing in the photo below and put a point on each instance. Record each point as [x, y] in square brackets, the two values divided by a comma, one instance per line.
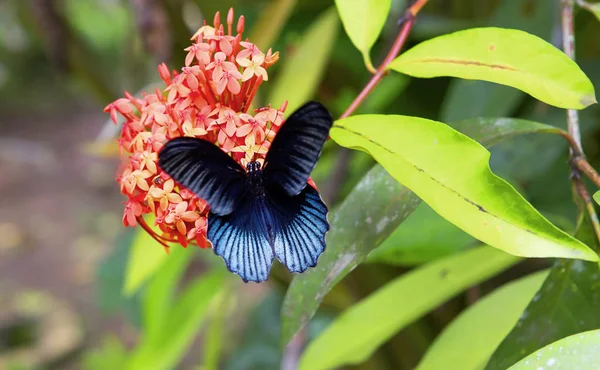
[206, 170]
[296, 148]
[299, 228]
[242, 240]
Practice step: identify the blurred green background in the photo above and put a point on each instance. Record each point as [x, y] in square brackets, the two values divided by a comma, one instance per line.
[64, 252]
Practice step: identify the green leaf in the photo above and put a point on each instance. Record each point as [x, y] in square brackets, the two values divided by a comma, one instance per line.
[272, 20]
[425, 236]
[567, 303]
[374, 208]
[363, 21]
[158, 295]
[301, 74]
[111, 355]
[489, 131]
[86, 19]
[360, 330]
[504, 56]
[188, 312]
[214, 338]
[145, 258]
[110, 279]
[597, 197]
[468, 98]
[579, 351]
[470, 339]
[451, 173]
[180, 326]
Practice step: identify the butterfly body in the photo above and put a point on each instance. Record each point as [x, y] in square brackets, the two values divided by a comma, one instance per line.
[260, 212]
[255, 178]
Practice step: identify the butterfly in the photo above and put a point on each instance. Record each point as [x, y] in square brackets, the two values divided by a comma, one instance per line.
[259, 212]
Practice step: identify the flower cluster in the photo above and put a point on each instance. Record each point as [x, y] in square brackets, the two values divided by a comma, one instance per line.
[208, 99]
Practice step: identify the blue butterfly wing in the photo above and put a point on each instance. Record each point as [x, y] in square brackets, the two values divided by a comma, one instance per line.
[291, 228]
[294, 152]
[242, 240]
[206, 170]
[299, 228]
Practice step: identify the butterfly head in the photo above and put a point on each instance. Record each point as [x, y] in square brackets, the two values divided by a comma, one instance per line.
[253, 167]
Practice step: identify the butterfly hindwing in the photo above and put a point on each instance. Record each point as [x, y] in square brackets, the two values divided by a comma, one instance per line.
[292, 228]
[206, 170]
[242, 240]
[294, 152]
[299, 228]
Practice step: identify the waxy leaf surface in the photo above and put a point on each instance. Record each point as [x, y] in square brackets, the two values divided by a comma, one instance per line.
[504, 56]
[578, 351]
[363, 21]
[567, 303]
[368, 215]
[451, 173]
[470, 339]
[476, 98]
[145, 258]
[360, 330]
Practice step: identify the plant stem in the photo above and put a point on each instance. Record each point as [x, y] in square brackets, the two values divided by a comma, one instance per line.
[568, 38]
[587, 169]
[392, 54]
[589, 206]
[579, 164]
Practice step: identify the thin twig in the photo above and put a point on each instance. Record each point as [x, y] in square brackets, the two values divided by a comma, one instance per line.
[589, 206]
[568, 38]
[392, 54]
[578, 162]
[572, 143]
[587, 169]
[407, 21]
[293, 350]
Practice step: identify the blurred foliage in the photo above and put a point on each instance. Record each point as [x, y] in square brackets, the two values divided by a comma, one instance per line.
[81, 54]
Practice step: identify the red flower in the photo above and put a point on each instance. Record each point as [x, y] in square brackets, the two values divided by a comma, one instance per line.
[209, 98]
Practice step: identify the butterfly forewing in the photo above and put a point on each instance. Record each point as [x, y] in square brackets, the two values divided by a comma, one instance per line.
[206, 170]
[296, 148]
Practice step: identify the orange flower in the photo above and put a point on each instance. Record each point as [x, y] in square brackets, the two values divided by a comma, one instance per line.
[180, 214]
[209, 99]
[164, 196]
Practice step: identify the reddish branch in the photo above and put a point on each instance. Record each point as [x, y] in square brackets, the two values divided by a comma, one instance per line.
[409, 19]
